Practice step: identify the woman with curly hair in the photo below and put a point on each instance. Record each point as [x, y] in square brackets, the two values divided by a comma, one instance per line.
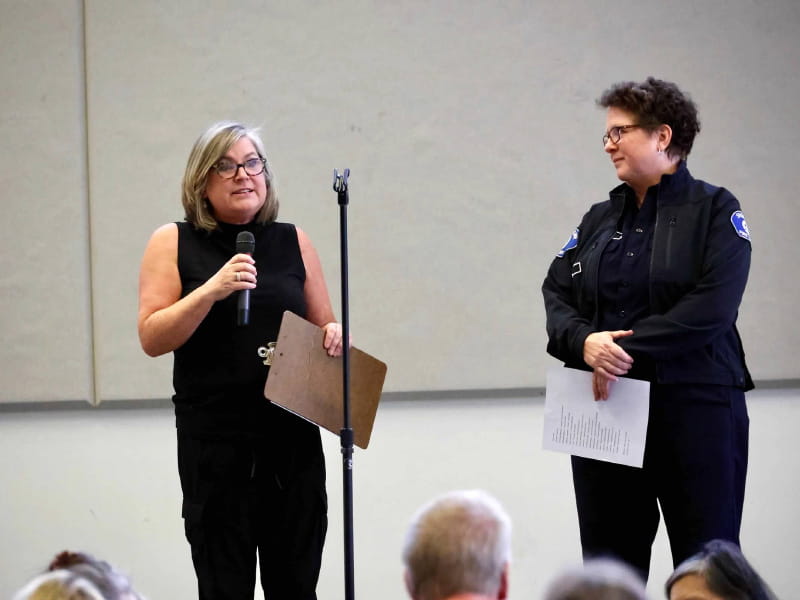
[648, 287]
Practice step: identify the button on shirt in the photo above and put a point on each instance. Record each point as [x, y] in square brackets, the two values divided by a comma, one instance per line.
[624, 277]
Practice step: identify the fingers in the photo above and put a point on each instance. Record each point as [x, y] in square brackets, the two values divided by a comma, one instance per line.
[620, 333]
[242, 268]
[332, 342]
[600, 350]
[614, 364]
[601, 384]
[615, 354]
[595, 386]
[604, 386]
[239, 273]
[246, 276]
[597, 389]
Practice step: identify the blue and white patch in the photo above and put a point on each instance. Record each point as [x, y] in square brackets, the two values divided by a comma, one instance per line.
[740, 225]
[571, 243]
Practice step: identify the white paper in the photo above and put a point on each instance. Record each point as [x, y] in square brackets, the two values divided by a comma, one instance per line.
[613, 430]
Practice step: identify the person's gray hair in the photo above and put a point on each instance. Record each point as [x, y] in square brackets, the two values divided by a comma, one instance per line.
[458, 542]
[597, 579]
[59, 585]
[206, 152]
[79, 576]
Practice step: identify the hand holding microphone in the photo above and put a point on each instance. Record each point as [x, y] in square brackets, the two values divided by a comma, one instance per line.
[245, 244]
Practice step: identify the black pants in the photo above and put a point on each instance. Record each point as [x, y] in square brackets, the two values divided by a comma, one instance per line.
[255, 494]
[695, 466]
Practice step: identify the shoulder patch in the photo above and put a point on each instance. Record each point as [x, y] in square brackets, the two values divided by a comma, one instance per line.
[571, 243]
[740, 225]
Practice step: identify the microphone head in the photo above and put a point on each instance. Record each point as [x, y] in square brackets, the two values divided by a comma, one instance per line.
[245, 243]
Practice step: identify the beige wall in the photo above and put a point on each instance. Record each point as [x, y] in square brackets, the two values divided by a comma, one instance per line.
[45, 286]
[470, 130]
[105, 480]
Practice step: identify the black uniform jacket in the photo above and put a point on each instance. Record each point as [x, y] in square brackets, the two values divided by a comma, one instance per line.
[698, 270]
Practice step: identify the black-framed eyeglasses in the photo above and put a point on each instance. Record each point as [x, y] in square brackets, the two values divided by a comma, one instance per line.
[615, 133]
[227, 169]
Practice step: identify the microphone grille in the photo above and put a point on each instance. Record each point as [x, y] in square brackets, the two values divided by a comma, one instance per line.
[245, 242]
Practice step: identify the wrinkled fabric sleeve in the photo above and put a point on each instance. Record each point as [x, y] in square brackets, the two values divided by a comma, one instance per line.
[566, 328]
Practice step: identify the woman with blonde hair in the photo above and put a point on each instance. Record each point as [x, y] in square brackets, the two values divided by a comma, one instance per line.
[252, 474]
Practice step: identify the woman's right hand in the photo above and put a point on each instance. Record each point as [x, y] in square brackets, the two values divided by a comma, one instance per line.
[607, 358]
[166, 318]
[239, 273]
[603, 354]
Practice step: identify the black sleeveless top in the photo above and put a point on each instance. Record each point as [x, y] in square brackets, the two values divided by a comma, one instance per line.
[218, 375]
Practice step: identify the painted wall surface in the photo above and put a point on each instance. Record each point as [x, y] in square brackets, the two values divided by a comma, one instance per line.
[472, 136]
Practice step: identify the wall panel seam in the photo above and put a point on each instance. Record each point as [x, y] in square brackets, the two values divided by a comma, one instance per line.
[93, 399]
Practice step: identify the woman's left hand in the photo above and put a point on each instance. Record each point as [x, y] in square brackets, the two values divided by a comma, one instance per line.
[332, 342]
[601, 384]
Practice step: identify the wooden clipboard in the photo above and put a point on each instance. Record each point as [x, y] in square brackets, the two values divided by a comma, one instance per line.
[303, 379]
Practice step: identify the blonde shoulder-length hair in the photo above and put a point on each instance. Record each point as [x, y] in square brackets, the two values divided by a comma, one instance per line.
[207, 150]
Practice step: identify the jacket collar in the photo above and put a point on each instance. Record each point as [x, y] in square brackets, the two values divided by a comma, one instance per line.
[668, 188]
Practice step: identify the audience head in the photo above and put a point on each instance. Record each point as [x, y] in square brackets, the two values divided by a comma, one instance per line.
[597, 579]
[78, 576]
[718, 572]
[459, 543]
[59, 585]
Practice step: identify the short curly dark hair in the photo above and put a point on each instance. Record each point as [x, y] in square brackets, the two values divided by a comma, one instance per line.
[656, 102]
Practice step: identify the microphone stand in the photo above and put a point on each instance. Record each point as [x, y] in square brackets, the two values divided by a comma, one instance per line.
[346, 434]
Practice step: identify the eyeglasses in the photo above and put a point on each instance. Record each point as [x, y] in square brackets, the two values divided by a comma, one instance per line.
[615, 133]
[227, 169]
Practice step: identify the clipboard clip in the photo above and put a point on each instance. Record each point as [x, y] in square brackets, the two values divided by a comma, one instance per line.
[267, 353]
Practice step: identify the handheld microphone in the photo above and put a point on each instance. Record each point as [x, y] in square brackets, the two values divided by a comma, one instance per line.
[245, 244]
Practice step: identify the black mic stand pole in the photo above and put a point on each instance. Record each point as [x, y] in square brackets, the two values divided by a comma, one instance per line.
[346, 434]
